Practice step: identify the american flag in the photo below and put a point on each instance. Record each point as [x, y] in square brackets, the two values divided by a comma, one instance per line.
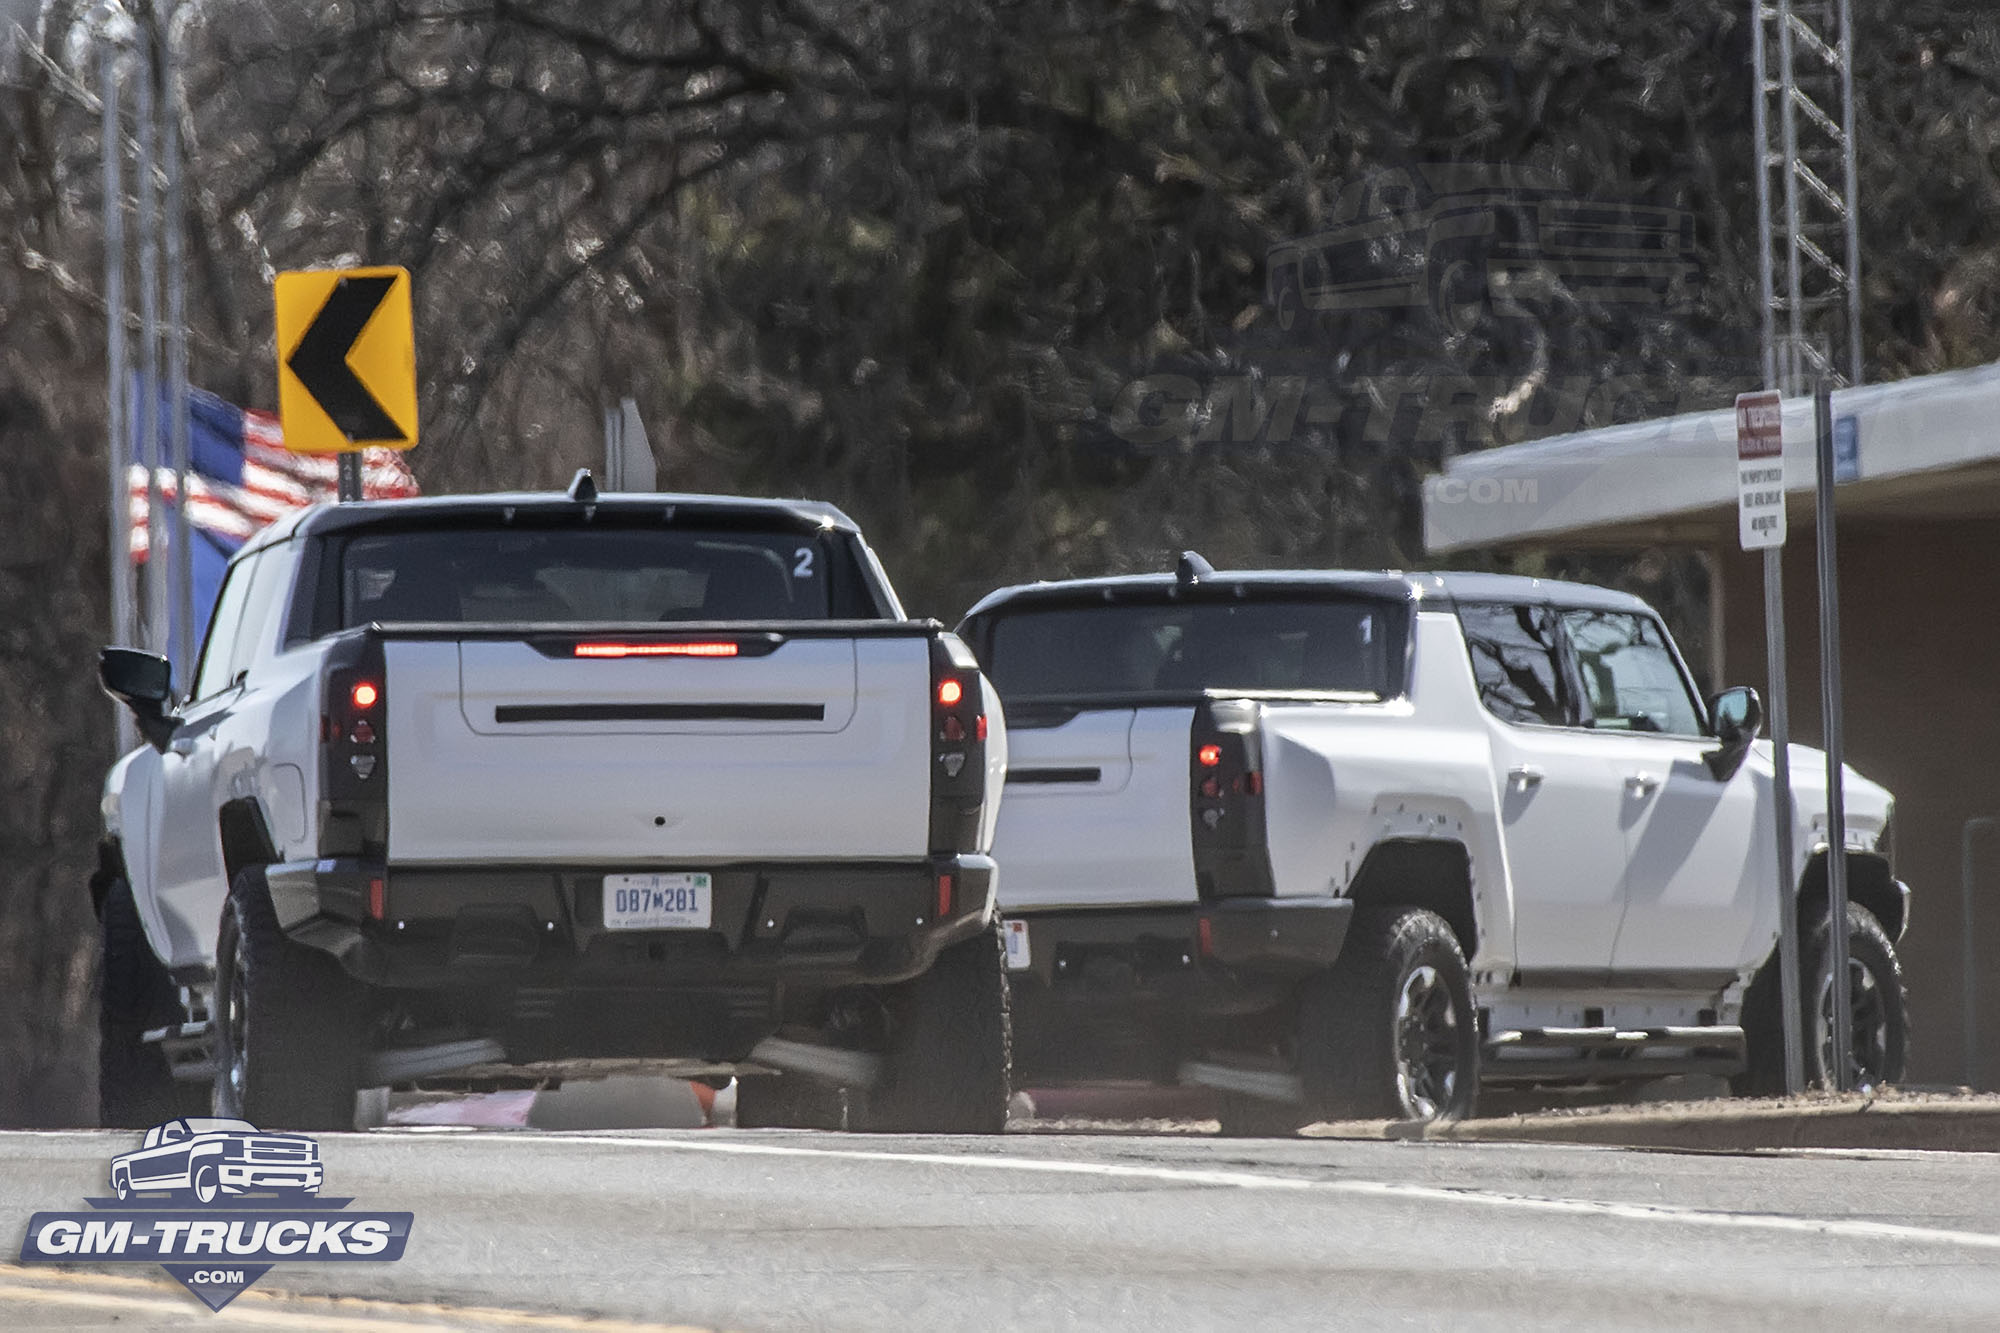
[242, 477]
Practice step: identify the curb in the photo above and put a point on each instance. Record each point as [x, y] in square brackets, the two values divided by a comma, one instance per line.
[1856, 1121]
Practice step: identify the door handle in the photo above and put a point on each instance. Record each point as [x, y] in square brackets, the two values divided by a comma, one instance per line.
[181, 745]
[1524, 776]
[1643, 784]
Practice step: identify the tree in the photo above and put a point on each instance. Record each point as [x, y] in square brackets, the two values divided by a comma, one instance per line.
[1002, 280]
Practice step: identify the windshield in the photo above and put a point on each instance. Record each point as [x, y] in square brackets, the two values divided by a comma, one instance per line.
[1347, 645]
[583, 575]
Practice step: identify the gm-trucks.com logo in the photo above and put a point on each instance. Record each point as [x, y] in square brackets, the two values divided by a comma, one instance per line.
[216, 1203]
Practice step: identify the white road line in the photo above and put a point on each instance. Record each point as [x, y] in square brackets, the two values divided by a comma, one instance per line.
[156, 1297]
[1843, 1228]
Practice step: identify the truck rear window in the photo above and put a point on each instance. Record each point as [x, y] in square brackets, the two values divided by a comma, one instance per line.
[584, 575]
[1346, 645]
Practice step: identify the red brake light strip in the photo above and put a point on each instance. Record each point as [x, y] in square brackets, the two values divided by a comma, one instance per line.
[655, 650]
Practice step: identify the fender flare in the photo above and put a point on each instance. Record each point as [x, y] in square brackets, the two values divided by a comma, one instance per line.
[246, 836]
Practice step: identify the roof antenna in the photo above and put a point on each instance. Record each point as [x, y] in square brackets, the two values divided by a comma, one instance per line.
[1192, 569]
[582, 488]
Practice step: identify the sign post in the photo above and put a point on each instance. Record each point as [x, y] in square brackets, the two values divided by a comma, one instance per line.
[1760, 478]
[347, 364]
[1842, 1019]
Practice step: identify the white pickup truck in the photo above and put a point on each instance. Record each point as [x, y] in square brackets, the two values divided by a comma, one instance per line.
[1349, 844]
[495, 790]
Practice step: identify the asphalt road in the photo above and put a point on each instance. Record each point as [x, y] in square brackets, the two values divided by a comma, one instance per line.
[778, 1230]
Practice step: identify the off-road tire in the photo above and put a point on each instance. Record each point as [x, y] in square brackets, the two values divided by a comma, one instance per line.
[295, 1014]
[1869, 948]
[136, 1088]
[1350, 1058]
[789, 1101]
[947, 1066]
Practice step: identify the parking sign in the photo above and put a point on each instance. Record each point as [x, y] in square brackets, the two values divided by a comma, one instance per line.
[1760, 470]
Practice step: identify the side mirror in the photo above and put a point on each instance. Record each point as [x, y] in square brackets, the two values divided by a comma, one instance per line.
[144, 683]
[1737, 717]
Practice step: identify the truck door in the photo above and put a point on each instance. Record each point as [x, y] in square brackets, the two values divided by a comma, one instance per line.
[190, 878]
[1559, 796]
[1696, 868]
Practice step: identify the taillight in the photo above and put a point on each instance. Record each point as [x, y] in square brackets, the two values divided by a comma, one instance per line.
[1225, 801]
[958, 748]
[354, 754]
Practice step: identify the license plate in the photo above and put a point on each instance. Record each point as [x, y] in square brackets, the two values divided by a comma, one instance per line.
[658, 902]
[1016, 936]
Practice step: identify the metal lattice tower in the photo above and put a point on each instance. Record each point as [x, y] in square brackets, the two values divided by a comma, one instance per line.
[1803, 122]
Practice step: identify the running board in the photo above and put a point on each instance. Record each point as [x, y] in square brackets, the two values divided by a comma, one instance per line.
[1611, 1052]
[189, 1048]
[829, 1064]
[382, 1068]
[1271, 1085]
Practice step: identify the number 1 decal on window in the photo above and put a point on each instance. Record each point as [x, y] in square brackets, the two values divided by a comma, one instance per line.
[804, 567]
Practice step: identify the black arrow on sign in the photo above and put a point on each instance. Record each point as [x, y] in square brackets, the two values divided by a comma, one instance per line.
[320, 360]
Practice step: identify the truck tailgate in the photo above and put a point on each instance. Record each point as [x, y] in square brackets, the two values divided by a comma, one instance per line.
[1096, 811]
[510, 750]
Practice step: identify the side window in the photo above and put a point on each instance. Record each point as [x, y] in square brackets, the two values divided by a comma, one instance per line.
[263, 606]
[1631, 681]
[218, 650]
[1514, 662]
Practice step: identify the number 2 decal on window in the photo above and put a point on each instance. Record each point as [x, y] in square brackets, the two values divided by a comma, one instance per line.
[804, 567]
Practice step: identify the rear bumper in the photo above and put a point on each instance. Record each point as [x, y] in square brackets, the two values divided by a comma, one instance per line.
[1130, 992]
[1237, 939]
[821, 924]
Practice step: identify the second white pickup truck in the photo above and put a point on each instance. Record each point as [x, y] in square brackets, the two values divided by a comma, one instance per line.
[495, 790]
[1350, 844]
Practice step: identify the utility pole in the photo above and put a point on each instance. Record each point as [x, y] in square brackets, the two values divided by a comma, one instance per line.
[164, 14]
[1808, 267]
[118, 436]
[147, 446]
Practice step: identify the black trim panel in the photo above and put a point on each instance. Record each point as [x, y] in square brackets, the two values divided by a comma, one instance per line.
[1054, 775]
[640, 712]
